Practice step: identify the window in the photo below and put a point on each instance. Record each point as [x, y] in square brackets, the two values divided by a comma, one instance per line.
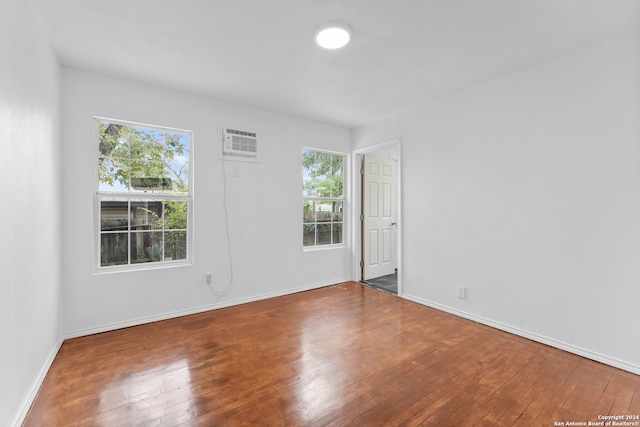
[323, 198]
[143, 198]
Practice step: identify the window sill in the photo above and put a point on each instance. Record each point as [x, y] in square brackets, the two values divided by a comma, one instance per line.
[140, 267]
[323, 247]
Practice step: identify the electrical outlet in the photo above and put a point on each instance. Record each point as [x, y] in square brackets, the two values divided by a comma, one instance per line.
[462, 292]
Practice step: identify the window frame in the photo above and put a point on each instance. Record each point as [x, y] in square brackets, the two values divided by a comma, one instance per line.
[343, 199]
[131, 197]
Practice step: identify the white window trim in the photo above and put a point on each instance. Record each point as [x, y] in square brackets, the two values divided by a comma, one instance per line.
[98, 196]
[345, 203]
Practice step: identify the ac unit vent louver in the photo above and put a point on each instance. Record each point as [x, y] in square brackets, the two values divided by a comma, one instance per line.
[239, 143]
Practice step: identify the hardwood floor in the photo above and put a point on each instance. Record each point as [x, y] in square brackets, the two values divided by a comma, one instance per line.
[341, 355]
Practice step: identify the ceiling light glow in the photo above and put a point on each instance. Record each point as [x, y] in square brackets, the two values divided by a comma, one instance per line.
[333, 36]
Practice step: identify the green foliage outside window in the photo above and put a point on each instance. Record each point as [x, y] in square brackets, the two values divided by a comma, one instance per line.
[146, 172]
[128, 153]
[323, 174]
[323, 197]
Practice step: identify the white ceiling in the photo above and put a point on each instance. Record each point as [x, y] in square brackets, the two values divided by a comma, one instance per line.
[404, 53]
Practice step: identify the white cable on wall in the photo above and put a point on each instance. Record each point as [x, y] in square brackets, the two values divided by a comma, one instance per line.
[217, 293]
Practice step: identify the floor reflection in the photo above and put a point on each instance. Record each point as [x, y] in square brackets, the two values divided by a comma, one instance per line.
[330, 355]
[162, 394]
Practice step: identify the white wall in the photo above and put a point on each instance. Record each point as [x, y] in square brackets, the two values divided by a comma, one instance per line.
[526, 191]
[264, 204]
[30, 282]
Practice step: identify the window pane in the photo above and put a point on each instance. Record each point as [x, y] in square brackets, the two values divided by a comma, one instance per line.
[113, 174]
[337, 233]
[175, 214]
[308, 172]
[175, 247]
[323, 234]
[135, 158]
[309, 235]
[176, 147]
[178, 173]
[337, 176]
[146, 215]
[324, 211]
[113, 140]
[308, 211]
[114, 249]
[323, 175]
[337, 211]
[148, 176]
[147, 144]
[114, 215]
[146, 247]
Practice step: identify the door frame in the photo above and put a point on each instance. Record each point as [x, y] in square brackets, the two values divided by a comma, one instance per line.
[356, 211]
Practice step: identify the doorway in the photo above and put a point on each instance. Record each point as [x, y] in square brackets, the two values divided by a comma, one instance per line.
[377, 226]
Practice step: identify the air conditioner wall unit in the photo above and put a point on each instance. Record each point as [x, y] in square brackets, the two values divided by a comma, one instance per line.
[239, 143]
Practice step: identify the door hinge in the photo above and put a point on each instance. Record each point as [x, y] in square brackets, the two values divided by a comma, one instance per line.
[361, 217]
[361, 263]
[362, 171]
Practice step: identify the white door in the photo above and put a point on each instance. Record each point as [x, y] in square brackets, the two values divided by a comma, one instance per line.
[378, 210]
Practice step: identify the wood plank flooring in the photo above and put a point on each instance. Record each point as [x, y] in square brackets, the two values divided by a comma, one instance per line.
[344, 355]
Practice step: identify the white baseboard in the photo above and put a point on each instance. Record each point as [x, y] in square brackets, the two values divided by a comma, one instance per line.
[602, 358]
[35, 387]
[201, 309]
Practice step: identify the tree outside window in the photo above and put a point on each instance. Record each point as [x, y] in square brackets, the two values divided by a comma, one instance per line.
[323, 198]
[143, 194]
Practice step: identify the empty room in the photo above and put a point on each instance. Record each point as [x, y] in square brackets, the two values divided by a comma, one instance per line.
[314, 213]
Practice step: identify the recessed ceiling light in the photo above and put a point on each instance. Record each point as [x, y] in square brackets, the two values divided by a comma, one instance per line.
[333, 36]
